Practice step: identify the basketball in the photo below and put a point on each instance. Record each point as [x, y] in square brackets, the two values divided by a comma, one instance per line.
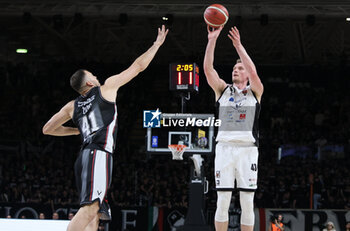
[215, 15]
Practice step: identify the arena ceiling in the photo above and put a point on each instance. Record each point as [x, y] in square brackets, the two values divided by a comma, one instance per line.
[296, 32]
[178, 7]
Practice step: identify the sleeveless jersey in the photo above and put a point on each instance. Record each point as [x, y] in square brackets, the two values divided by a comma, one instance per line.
[239, 114]
[96, 119]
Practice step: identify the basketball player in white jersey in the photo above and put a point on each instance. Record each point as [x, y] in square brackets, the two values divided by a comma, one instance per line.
[237, 148]
[95, 114]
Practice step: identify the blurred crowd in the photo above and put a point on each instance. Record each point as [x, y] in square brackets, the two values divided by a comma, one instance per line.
[55, 216]
[301, 106]
[288, 185]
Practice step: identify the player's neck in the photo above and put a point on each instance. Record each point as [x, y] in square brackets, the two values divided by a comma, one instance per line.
[240, 86]
[86, 90]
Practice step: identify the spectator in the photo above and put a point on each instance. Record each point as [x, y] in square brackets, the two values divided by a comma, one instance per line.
[276, 224]
[259, 199]
[329, 227]
[317, 193]
[41, 216]
[55, 216]
[347, 226]
[70, 216]
[101, 227]
[347, 204]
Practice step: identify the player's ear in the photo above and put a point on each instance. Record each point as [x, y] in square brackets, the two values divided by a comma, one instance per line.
[89, 84]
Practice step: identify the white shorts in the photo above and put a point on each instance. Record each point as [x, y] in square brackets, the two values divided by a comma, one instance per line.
[238, 163]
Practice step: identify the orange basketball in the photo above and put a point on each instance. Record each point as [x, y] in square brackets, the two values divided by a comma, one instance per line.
[215, 15]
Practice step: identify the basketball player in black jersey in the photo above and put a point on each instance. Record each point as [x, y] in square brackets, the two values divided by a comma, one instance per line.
[95, 114]
[236, 153]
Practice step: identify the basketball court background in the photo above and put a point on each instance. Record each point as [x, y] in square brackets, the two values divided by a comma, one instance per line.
[301, 50]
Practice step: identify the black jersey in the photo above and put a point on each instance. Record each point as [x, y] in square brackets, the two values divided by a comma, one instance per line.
[96, 119]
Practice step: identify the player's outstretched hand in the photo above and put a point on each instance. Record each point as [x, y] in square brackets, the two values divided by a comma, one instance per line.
[162, 33]
[234, 36]
[213, 33]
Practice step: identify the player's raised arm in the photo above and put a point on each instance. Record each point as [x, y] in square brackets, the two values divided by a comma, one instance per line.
[140, 64]
[55, 126]
[214, 81]
[254, 80]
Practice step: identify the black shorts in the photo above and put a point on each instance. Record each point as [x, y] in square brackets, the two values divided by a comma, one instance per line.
[93, 175]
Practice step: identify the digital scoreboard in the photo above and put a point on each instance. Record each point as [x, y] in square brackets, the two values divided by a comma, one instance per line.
[184, 77]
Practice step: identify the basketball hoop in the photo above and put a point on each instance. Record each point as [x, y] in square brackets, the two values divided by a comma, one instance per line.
[177, 150]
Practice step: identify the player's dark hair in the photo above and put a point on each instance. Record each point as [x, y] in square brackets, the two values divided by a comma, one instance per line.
[238, 61]
[77, 79]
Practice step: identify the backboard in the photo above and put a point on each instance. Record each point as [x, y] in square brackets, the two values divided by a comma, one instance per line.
[196, 131]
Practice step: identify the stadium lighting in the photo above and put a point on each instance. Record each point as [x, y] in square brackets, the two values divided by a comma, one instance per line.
[21, 51]
[168, 19]
[348, 19]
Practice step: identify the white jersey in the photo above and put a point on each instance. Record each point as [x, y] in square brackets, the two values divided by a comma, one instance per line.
[239, 114]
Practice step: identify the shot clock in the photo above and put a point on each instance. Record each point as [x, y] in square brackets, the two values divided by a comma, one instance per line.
[184, 77]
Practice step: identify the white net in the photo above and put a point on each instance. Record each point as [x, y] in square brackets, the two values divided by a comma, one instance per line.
[177, 150]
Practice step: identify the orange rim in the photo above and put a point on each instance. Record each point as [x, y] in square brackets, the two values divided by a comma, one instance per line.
[177, 147]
